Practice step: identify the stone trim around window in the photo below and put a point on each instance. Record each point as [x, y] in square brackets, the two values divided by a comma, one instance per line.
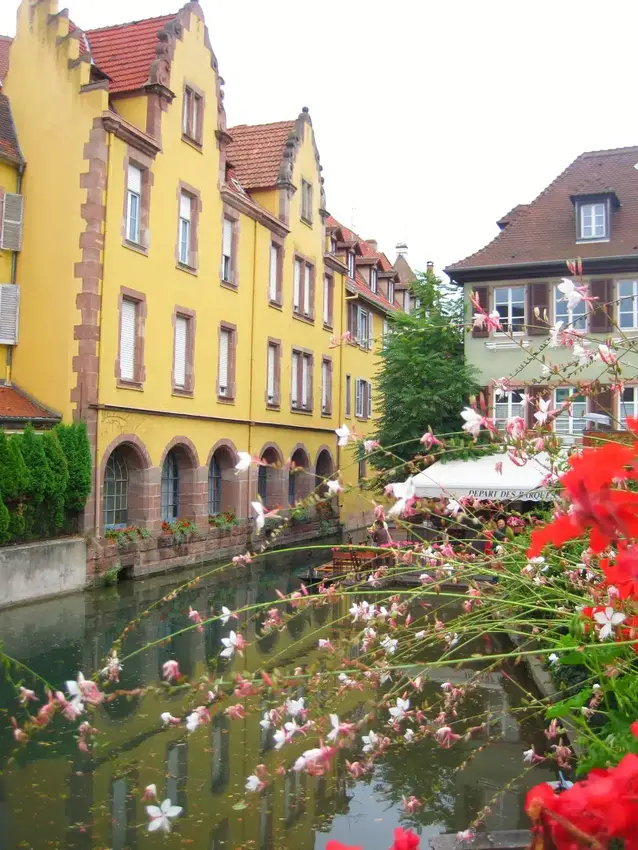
[233, 216]
[197, 140]
[328, 409]
[140, 330]
[308, 353]
[229, 398]
[189, 384]
[300, 314]
[196, 208]
[329, 325]
[275, 404]
[144, 163]
[279, 243]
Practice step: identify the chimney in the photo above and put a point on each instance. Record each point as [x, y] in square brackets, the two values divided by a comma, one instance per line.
[372, 243]
[429, 266]
[402, 250]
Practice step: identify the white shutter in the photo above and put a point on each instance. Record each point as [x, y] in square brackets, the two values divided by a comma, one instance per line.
[305, 367]
[224, 349]
[185, 203]
[12, 214]
[306, 290]
[326, 291]
[181, 336]
[272, 282]
[358, 395]
[296, 285]
[369, 400]
[195, 119]
[227, 246]
[186, 110]
[135, 179]
[270, 381]
[324, 386]
[9, 313]
[370, 327]
[128, 339]
[294, 376]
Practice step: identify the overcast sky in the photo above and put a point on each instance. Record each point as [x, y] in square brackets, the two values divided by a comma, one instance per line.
[433, 117]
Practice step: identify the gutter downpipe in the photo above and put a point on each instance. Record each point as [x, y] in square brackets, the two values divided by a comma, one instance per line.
[252, 360]
[14, 274]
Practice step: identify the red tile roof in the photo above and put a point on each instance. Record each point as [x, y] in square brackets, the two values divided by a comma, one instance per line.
[9, 147]
[256, 152]
[5, 44]
[16, 405]
[125, 52]
[545, 229]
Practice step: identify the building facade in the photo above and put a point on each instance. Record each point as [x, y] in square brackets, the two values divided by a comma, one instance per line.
[181, 285]
[590, 211]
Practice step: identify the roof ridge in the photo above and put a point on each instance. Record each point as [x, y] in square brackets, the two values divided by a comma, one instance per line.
[6, 37]
[267, 124]
[608, 151]
[131, 23]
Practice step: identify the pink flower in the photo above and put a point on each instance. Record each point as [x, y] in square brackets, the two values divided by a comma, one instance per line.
[502, 386]
[498, 467]
[26, 695]
[150, 793]
[243, 688]
[446, 737]
[170, 671]
[324, 643]
[467, 835]
[515, 427]
[242, 560]
[18, 733]
[607, 355]
[371, 445]
[236, 712]
[473, 421]
[411, 804]
[168, 720]
[429, 440]
[355, 769]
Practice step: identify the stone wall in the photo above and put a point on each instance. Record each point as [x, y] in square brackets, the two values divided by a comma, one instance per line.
[38, 570]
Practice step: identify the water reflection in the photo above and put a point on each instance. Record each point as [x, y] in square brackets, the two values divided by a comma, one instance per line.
[90, 803]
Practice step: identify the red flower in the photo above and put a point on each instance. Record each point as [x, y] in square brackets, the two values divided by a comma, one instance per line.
[624, 574]
[337, 845]
[594, 505]
[404, 839]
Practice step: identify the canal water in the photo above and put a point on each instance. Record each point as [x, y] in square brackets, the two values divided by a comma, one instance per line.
[54, 796]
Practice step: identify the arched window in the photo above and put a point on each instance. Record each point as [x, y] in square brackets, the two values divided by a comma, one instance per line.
[262, 483]
[214, 485]
[115, 499]
[170, 488]
[291, 488]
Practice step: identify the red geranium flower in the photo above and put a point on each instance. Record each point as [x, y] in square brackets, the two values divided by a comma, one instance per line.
[404, 839]
[624, 574]
[337, 845]
[594, 505]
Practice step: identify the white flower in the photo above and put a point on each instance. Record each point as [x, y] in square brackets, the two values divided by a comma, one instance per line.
[244, 461]
[294, 706]
[608, 619]
[370, 741]
[554, 334]
[192, 721]
[334, 487]
[226, 615]
[409, 736]
[595, 687]
[453, 507]
[398, 712]
[280, 738]
[344, 434]
[260, 515]
[334, 732]
[160, 815]
[253, 783]
[553, 658]
[230, 644]
[580, 355]
[606, 355]
[545, 370]
[528, 755]
[390, 645]
[420, 635]
[543, 410]
[570, 293]
[76, 703]
[403, 493]
[266, 722]
[525, 399]
[473, 421]
[291, 727]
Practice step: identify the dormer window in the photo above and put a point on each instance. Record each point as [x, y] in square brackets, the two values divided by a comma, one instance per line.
[390, 292]
[373, 280]
[333, 245]
[351, 264]
[593, 216]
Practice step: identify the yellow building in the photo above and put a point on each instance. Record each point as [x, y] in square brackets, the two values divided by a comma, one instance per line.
[183, 288]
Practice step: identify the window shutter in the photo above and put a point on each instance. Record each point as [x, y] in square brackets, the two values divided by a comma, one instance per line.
[358, 398]
[326, 297]
[224, 351]
[135, 179]
[324, 386]
[537, 301]
[195, 117]
[294, 379]
[599, 320]
[186, 110]
[370, 334]
[369, 400]
[12, 214]
[9, 313]
[179, 366]
[272, 283]
[227, 246]
[296, 286]
[270, 380]
[329, 387]
[603, 402]
[482, 293]
[128, 339]
[307, 301]
[185, 206]
[331, 296]
[348, 395]
[305, 382]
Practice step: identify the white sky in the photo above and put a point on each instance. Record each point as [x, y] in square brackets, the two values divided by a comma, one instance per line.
[433, 117]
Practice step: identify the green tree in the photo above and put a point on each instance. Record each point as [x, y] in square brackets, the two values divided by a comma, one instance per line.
[424, 381]
[51, 517]
[4, 523]
[36, 461]
[14, 475]
[75, 444]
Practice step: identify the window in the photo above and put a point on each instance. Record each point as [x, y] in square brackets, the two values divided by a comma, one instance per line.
[506, 406]
[593, 221]
[183, 353]
[274, 279]
[292, 486]
[133, 204]
[363, 399]
[628, 303]
[227, 251]
[361, 470]
[571, 422]
[373, 281]
[214, 486]
[306, 200]
[11, 222]
[328, 300]
[326, 386]
[348, 395]
[351, 264]
[170, 488]
[262, 483]
[185, 213]
[364, 334]
[391, 292]
[333, 245]
[303, 289]
[115, 498]
[192, 114]
[128, 340]
[225, 388]
[301, 381]
[272, 370]
[628, 405]
[575, 318]
[509, 303]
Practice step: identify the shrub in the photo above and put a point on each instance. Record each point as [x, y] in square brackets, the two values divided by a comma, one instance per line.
[14, 475]
[51, 516]
[77, 451]
[4, 522]
[32, 448]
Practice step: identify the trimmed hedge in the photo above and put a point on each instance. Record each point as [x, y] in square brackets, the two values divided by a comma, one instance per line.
[45, 480]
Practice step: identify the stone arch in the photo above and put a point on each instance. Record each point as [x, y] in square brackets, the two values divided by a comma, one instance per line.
[126, 497]
[324, 469]
[272, 480]
[182, 482]
[223, 485]
[300, 484]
